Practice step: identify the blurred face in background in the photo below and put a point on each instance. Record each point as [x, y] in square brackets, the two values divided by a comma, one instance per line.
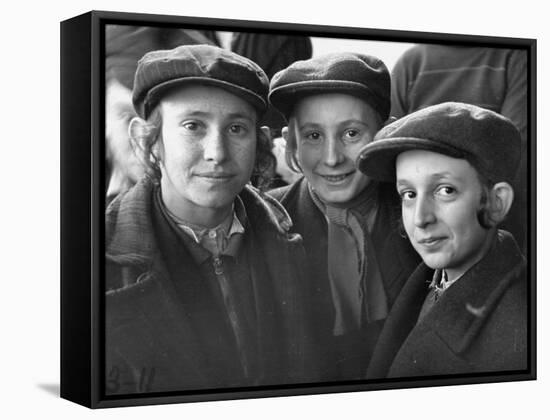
[330, 130]
[126, 168]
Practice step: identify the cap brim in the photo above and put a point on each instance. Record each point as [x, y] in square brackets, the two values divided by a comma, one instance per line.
[284, 98]
[155, 94]
[377, 159]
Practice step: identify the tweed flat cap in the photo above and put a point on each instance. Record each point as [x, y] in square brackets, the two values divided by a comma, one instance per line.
[197, 64]
[360, 75]
[489, 141]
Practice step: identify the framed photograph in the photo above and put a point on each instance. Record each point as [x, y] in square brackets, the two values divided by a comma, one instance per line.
[257, 209]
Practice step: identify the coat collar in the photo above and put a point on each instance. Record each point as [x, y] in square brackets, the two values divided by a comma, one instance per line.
[468, 303]
[129, 232]
[129, 226]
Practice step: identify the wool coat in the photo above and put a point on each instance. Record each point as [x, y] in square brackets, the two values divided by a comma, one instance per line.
[167, 328]
[479, 324]
[346, 357]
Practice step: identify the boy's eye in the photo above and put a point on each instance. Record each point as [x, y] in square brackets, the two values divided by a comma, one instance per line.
[191, 126]
[351, 134]
[407, 195]
[237, 129]
[446, 191]
[313, 137]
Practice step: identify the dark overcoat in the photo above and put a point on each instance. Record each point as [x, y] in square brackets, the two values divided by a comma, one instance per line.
[171, 333]
[479, 324]
[346, 357]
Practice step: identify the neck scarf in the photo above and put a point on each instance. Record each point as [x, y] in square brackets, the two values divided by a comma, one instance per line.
[357, 297]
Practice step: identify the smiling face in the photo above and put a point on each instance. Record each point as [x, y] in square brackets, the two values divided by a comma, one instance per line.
[207, 151]
[441, 197]
[330, 130]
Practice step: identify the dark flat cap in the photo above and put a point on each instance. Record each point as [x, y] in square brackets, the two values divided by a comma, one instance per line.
[489, 141]
[197, 64]
[355, 74]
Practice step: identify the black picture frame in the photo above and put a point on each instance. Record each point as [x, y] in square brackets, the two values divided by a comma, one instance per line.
[83, 203]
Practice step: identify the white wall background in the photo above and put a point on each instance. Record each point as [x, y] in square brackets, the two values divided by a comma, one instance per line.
[388, 52]
[29, 219]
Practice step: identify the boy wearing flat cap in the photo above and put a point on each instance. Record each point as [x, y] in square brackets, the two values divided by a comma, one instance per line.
[464, 309]
[202, 275]
[334, 105]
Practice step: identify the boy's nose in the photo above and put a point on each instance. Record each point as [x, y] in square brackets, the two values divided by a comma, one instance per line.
[214, 148]
[424, 212]
[332, 152]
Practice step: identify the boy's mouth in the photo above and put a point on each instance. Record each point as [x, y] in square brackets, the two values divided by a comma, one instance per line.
[431, 241]
[337, 178]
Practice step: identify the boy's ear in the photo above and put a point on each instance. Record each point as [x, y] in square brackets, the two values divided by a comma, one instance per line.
[501, 197]
[136, 130]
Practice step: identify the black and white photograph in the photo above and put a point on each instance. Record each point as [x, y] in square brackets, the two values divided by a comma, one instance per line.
[284, 210]
[290, 211]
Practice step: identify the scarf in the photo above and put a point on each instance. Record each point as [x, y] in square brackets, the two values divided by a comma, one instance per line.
[357, 291]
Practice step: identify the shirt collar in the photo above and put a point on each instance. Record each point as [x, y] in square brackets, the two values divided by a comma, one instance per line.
[223, 239]
[440, 282]
[233, 226]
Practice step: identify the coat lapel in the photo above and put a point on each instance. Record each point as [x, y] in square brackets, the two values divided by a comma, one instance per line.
[311, 224]
[128, 226]
[471, 300]
[277, 288]
[401, 320]
[438, 343]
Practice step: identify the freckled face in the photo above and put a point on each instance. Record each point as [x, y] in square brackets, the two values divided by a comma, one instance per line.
[440, 200]
[207, 151]
[330, 130]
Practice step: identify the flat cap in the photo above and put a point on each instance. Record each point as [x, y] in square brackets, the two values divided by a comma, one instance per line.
[160, 70]
[360, 75]
[489, 141]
